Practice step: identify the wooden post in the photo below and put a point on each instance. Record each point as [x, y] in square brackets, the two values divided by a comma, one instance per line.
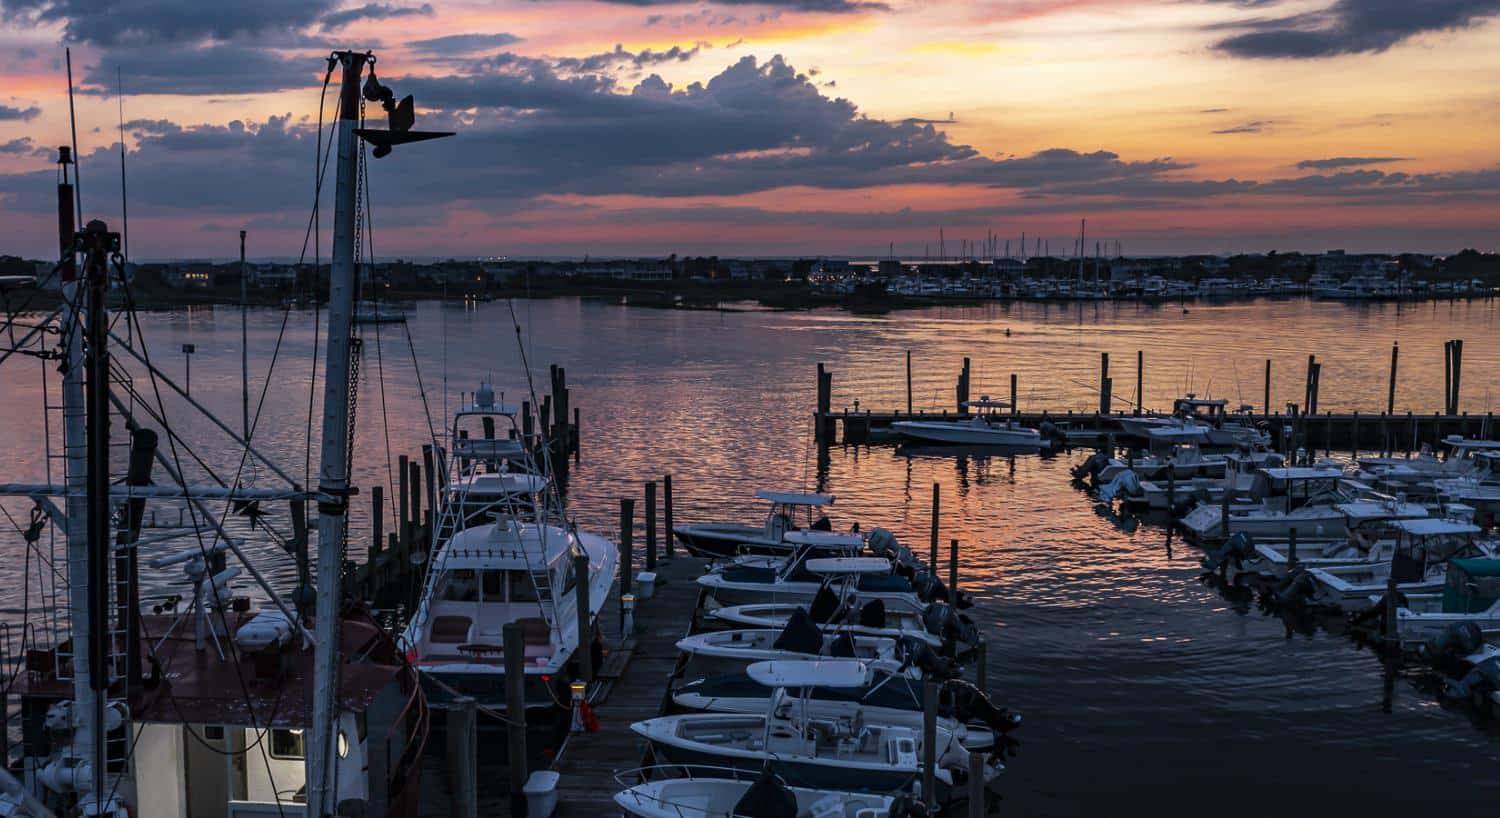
[430, 463]
[929, 743]
[908, 382]
[1458, 373]
[962, 392]
[666, 491]
[1307, 385]
[1103, 383]
[527, 427]
[544, 419]
[576, 438]
[981, 664]
[1140, 380]
[585, 651]
[1392, 629]
[1171, 491]
[1447, 375]
[463, 755]
[416, 500]
[627, 546]
[932, 562]
[515, 714]
[1268, 387]
[1291, 550]
[1390, 395]
[651, 526]
[377, 524]
[953, 569]
[1013, 408]
[403, 519]
[1354, 437]
[976, 784]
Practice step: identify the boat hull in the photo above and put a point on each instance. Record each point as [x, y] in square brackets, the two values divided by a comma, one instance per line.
[965, 434]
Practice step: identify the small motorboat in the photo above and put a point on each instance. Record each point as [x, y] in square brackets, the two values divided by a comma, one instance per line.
[707, 792]
[940, 626]
[720, 651]
[1371, 539]
[987, 426]
[1288, 497]
[1419, 564]
[809, 747]
[1470, 595]
[716, 540]
[801, 577]
[370, 312]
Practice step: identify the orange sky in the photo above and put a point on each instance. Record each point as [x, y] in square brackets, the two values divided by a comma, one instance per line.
[1139, 79]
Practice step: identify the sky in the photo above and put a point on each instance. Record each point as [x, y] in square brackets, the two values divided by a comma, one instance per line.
[777, 127]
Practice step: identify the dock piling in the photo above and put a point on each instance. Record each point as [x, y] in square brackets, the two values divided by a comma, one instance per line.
[666, 501]
[651, 526]
[403, 519]
[908, 382]
[515, 714]
[463, 754]
[976, 784]
[1268, 387]
[1104, 383]
[627, 552]
[953, 569]
[377, 525]
[1390, 395]
[1140, 380]
[932, 560]
[585, 651]
[929, 743]
[1291, 549]
[1013, 408]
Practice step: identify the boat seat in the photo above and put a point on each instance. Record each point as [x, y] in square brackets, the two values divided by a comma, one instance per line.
[450, 630]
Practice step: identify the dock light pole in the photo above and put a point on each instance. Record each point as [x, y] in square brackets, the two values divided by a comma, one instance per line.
[333, 473]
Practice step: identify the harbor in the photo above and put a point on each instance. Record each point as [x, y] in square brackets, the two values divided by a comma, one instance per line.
[576, 557]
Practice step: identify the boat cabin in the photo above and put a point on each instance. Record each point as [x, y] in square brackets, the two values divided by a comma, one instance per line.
[1426, 542]
[1210, 412]
[787, 506]
[1292, 487]
[1472, 586]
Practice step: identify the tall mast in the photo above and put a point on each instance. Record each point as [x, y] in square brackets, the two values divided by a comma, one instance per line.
[333, 476]
[244, 347]
[76, 448]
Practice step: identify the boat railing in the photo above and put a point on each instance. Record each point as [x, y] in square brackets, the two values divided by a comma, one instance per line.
[630, 778]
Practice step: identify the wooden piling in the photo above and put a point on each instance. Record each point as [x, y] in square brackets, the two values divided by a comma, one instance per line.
[981, 664]
[377, 525]
[651, 526]
[1104, 383]
[666, 501]
[908, 382]
[1013, 407]
[1140, 381]
[403, 518]
[584, 655]
[576, 439]
[416, 501]
[1392, 624]
[527, 426]
[929, 744]
[1354, 437]
[429, 462]
[515, 714]
[1171, 491]
[1390, 395]
[1268, 387]
[463, 756]
[976, 784]
[1291, 549]
[1447, 375]
[962, 390]
[953, 569]
[932, 561]
[1458, 373]
[627, 546]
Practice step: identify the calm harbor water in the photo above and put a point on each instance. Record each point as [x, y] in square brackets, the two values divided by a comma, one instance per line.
[1144, 690]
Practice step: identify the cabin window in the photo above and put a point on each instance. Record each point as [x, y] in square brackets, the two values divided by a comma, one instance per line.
[521, 589]
[459, 585]
[288, 744]
[494, 585]
[569, 577]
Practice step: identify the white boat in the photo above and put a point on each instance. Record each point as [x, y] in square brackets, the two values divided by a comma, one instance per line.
[1418, 565]
[1470, 594]
[806, 748]
[799, 580]
[521, 568]
[987, 427]
[1219, 427]
[370, 312]
[698, 792]
[720, 651]
[1300, 497]
[940, 626]
[1371, 538]
[714, 540]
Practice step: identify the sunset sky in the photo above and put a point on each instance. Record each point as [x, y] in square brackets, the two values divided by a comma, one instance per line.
[777, 127]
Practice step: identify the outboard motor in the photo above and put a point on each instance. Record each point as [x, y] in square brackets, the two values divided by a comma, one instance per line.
[882, 543]
[1092, 466]
[928, 587]
[1126, 484]
[972, 704]
[1235, 551]
[907, 806]
[767, 797]
[950, 626]
[1454, 642]
[916, 653]
[1296, 591]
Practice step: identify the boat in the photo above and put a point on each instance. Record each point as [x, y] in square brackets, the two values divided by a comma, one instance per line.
[1470, 596]
[987, 426]
[370, 312]
[1289, 497]
[719, 651]
[940, 626]
[713, 792]
[848, 751]
[802, 577]
[719, 539]
[1219, 428]
[491, 474]
[1371, 538]
[1418, 565]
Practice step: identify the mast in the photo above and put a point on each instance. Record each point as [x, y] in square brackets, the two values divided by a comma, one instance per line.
[76, 440]
[333, 477]
[244, 347]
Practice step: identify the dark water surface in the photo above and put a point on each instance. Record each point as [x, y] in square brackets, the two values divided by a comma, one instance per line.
[1144, 691]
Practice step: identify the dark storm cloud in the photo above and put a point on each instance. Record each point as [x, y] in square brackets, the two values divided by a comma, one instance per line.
[8, 112]
[459, 44]
[109, 22]
[1336, 162]
[373, 11]
[595, 63]
[1351, 27]
[202, 69]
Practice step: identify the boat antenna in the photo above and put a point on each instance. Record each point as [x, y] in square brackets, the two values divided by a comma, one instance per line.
[124, 209]
[73, 125]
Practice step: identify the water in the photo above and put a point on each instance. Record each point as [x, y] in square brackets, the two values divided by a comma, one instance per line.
[1142, 688]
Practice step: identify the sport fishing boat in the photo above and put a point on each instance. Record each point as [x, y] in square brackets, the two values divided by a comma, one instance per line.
[1210, 418]
[849, 751]
[987, 427]
[1419, 564]
[708, 792]
[1371, 538]
[490, 475]
[715, 540]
